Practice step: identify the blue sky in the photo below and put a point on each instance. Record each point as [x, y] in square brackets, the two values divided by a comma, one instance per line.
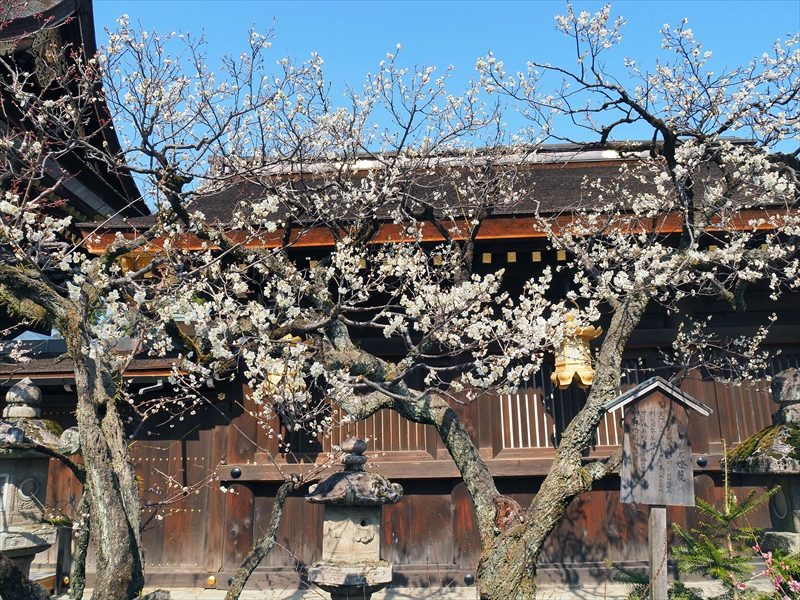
[353, 37]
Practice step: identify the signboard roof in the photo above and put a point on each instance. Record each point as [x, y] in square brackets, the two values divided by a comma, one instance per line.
[657, 384]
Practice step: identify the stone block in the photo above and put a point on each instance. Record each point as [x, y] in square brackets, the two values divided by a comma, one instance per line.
[351, 533]
[786, 386]
[368, 574]
[785, 541]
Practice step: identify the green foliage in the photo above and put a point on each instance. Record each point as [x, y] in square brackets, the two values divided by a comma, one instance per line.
[679, 591]
[721, 548]
[701, 554]
[783, 572]
[638, 582]
[640, 585]
[789, 566]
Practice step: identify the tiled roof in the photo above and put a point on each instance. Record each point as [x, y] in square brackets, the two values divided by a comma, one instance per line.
[552, 187]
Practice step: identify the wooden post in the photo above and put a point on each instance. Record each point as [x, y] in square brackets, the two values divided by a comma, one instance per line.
[657, 532]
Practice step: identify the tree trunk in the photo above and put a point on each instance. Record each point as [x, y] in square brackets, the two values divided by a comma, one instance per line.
[78, 577]
[512, 538]
[15, 586]
[507, 568]
[111, 488]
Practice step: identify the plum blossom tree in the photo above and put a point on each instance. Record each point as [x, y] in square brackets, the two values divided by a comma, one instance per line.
[629, 248]
[48, 277]
[191, 137]
[36, 247]
[226, 295]
[720, 215]
[308, 166]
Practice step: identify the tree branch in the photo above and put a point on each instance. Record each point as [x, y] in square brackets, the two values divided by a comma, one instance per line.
[265, 544]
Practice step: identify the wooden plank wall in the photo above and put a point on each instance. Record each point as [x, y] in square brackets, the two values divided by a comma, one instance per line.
[429, 534]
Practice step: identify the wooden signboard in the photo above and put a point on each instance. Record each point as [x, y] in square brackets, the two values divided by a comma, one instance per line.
[657, 461]
[656, 453]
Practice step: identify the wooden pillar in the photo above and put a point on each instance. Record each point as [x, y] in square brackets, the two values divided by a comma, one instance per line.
[657, 534]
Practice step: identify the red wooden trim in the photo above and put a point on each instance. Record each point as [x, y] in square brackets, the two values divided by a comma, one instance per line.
[500, 228]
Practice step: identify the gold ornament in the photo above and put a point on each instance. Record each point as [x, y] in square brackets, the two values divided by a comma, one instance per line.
[574, 357]
[277, 374]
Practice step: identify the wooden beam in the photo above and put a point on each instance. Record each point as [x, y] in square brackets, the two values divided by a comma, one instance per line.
[518, 466]
[498, 228]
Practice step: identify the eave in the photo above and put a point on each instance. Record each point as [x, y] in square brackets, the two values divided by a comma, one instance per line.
[97, 193]
[515, 227]
[29, 22]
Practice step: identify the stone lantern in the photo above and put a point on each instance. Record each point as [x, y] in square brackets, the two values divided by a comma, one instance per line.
[351, 565]
[23, 474]
[775, 451]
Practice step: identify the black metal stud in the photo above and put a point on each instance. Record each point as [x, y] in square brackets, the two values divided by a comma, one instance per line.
[236, 472]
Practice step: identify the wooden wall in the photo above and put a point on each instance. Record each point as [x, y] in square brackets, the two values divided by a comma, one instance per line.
[430, 533]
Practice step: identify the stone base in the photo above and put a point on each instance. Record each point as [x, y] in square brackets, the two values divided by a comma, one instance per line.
[352, 592]
[22, 543]
[23, 562]
[785, 541]
[344, 581]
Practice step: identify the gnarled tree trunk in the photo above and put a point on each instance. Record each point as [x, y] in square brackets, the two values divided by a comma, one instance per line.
[507, 568]
[112, 489]
[113, 493]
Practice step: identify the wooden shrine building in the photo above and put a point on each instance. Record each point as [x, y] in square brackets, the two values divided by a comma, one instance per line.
[430, 534]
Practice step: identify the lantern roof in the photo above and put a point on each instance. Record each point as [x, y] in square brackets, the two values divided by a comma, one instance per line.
[354, 486]
[20, 424]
